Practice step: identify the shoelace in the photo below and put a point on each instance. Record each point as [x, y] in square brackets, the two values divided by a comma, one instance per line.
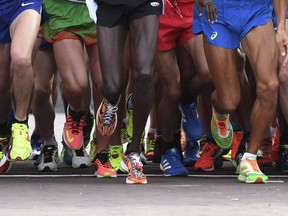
[110, 112]
[223, 126]
[136, 166]
[74, 126]
[207, 150]
[21, 130]
[253, 165]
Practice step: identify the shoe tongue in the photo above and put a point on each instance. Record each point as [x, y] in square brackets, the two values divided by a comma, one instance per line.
[103, 157]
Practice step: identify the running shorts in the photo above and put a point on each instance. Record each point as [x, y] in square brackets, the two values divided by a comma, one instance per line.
[175, 26]
[68, 20]
[9, 12]
[111, 13]
[235, 20]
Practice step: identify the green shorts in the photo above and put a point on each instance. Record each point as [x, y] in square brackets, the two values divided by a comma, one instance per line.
[68, 20]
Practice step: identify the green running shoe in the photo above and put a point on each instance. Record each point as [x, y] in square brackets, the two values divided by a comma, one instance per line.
[250, 172]
[222, 131]
[115, 157]
[92, 152]
[20, 149]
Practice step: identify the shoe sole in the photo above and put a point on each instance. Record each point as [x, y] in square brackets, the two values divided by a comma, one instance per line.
[106, 175]
[48, 167]
[245, 179]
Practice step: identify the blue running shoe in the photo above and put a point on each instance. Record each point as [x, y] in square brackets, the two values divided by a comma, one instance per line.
[191, 154]
[66, 154]
[191, 123]
[36, 144]
[172, 165]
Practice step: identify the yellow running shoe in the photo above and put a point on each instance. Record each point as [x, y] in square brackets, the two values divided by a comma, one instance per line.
[21, 148]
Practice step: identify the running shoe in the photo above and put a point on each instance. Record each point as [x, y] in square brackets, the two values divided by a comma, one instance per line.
[191, 122]
[106, 118]
[92, 151]
[133, 166]
[222, 131]
[115, 155]
[205, 162]
[150, 145]
[124, 133]
[240, 151]
[250, 172]
[87, 128]
[265, 159]
[283, 163]
[237, 138]
[66, 154]
[103, 167]
[5, 164]
[172, 165]
[36, 143]
[48, 159]
[191, 153]
[20, 148]
[73, 132]
[80, 158]
[129, 114]
[275, 147]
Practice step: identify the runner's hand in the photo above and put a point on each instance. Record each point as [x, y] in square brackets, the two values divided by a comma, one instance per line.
[282, 40]
[210, 9]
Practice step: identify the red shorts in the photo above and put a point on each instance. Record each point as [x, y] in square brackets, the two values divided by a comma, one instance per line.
[175, 26]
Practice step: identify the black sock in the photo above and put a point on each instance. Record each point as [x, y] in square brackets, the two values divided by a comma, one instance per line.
[186, 97]
[3, 129]
[20, 122]
[76, 115]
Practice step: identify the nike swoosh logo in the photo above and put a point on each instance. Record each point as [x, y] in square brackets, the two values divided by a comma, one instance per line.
[68, 137]
[25, 4]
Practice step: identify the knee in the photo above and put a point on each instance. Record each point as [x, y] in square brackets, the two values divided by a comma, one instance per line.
[230, 103]
[267, 92]
[42, 93]
[143, 78]
[76, 90]
[20, 64]
[111, 91]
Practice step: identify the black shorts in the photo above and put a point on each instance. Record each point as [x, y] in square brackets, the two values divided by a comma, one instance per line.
[111, 13]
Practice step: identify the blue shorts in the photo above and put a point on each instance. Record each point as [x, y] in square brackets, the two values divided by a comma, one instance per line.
[235, 19]
[9, 14]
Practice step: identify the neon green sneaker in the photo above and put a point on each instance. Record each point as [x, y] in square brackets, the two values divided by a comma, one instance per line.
[250, 172]
[150, 145]
[222, 131]
[115, 157]
[21, 148]
[92, 152]
[129, 113]
[227, 157]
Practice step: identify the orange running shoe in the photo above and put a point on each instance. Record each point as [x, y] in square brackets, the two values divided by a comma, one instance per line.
[73, 132]
[106, 118]
[237, 138]
[206, 160]
[132, 165]
[103, 167]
